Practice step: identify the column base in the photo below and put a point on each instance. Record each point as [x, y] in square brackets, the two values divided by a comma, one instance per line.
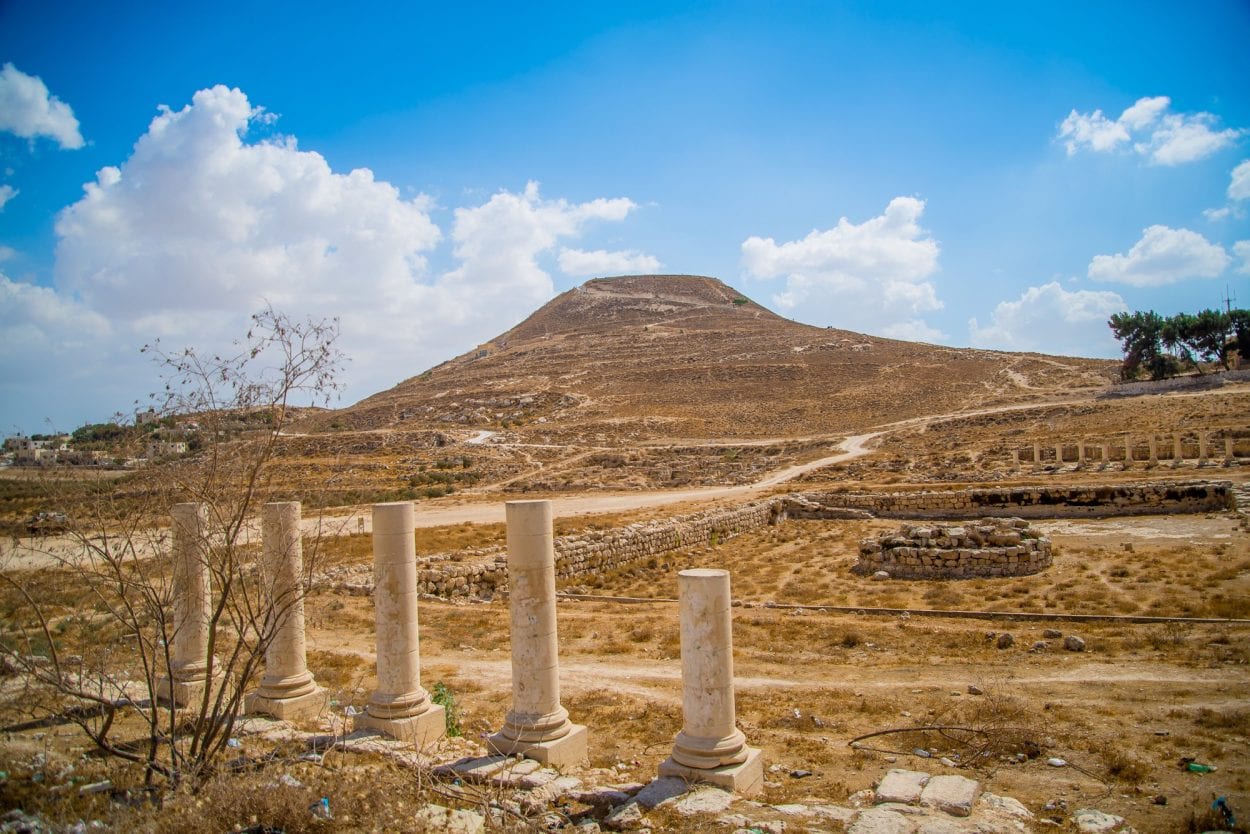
[182, 694]
[567, 750]
[746, 778]
[300, 708]
[418, 730]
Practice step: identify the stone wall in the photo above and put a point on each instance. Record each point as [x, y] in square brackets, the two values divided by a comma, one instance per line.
[1092, 501]
[992, 547]
[587, 552]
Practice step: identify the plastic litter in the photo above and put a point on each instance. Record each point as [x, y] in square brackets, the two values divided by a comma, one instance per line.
[233, 742]
[1056, 762]
[1199, 767]
[1221, 804]
[321, 810]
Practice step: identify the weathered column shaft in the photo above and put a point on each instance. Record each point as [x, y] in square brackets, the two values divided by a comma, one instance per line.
[399, 706]
[1154, 449]
[1037, 453]
[193, 601]
[1202, 446]
[1058, 453]
[395, 611]
[1178, 453]
[287, 689]
[1128, 452]
[537, 725]
[1080, 452]
[192, 608]
[709, 740]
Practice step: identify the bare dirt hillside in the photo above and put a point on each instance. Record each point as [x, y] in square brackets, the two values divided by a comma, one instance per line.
[664, 358]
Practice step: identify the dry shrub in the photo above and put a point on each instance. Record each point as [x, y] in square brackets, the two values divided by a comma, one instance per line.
[1122, 767]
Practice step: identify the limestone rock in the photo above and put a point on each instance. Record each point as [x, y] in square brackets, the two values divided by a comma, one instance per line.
[450, 820]
[627, 817]
[1073, 643]
[1090, 821]
[903, 786]
[881, 821]
[1005, 641]
[701, 801]
[953, 794]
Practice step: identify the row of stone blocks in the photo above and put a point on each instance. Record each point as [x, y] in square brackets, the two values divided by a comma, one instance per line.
[710, 747]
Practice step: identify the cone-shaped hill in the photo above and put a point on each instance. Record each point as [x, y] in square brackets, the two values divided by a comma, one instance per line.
[660, 357]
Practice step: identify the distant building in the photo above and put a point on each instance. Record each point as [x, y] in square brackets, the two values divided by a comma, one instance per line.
[166, 448]
[34, 456]
[142, 418]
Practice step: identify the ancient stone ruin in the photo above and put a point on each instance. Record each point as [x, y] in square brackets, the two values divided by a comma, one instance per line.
[990, 547]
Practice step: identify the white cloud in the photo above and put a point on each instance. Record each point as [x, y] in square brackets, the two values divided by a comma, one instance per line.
[498, 244]
[7, 253]
[1144, 112]
[1186, 138]
[913, 330]
[28, 110]
[198, 228]
[1092, 130]
[1165, 138]
[1242, 250]
[1239, 182]
[599, 262]
[1162, 256]
[1050, 319]
[7, 192]
[868, 276]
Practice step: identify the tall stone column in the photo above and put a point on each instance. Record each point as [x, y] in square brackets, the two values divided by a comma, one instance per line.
[710, 747]
[1058, 454]
[1128, 452]
[1080, 453]
[1228, 450]
[1015, 458]
[1037, 455]
[288, 690]
[1178, 453]
[399, 706]
[1202, 448]
[1154, 450]
[1105, 457]
[193, 604]
[537, 726]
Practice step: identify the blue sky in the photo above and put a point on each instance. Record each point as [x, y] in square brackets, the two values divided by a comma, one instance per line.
[973, 174]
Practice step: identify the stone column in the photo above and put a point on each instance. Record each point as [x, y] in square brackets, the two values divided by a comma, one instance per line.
[1154, 450]
[1037, 455]
[537, 726]
[1080, 453]
[1178, 453]
[1128, 452]
[399, 706]
[1105, 453]
[1202, 448]
[1015, 458]
[1228, 450]
[1058, 454]
[710, 747]
[287, 691]
[193, 605]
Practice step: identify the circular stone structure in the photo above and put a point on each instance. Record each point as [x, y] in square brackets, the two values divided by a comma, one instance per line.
[989, 547]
